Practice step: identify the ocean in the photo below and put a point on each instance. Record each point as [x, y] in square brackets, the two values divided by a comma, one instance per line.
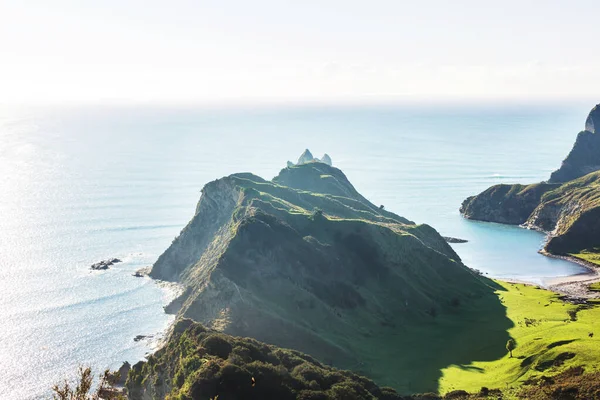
[79, 185]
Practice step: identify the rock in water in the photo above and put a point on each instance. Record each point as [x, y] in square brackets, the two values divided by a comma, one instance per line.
[584, 158]
[326, 159]
[306, 157]
[451, 239]
[104, 264]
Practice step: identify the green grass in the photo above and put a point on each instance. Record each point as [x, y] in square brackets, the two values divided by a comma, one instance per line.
[595, 287]
[590, 255]
[552, 332]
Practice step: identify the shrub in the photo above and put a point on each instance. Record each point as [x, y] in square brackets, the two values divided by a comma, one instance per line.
[83, 388]
[216, 345]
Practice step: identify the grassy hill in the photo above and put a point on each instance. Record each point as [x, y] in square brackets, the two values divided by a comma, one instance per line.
[304, 261]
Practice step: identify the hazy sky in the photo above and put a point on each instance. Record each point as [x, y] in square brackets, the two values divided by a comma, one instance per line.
[273, 50]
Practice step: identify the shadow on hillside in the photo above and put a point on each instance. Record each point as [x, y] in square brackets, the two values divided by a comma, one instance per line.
[412, 360]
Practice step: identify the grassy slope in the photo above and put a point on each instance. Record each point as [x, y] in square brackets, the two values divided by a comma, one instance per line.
[407, 352]
[595, 287]
[589, 255]
[552, 333]
[416, 313]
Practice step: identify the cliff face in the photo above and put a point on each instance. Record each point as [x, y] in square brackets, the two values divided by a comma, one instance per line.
[583, 158]
[585, 155]
[304, 261]
[570, 212]
[506, 204]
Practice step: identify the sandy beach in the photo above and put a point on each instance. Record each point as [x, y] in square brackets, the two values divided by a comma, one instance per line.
[576, 286]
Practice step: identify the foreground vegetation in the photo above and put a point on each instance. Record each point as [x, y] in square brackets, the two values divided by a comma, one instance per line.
[84, 387]
[202, 364]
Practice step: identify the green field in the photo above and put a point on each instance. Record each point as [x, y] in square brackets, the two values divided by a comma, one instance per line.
[592, 255]
[546, 330]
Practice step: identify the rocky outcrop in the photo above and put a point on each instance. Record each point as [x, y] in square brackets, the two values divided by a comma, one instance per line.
[593, 120]
[307, 157]
[451, 239]
[105, 264]
[584, 158]
[506, 204]
[123, 372]
[569, 213]
[304, 261]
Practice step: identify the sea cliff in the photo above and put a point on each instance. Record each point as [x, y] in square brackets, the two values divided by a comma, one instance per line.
[304, 261]
[567, 208]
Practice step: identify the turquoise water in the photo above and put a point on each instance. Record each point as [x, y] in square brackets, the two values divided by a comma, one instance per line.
[81, 185]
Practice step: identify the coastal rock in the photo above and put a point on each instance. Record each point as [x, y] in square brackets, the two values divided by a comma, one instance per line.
[140, 273]
[584, 158]
[568, 213]
[593, 120]
[274, 259]
[142, 337]
[104, 264]
[326, 159]
[506, 204]
[450, 239]
[123, 371]
[305, 157]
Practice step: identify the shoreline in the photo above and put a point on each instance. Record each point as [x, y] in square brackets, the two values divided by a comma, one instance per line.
[575, 286]
[572, 287]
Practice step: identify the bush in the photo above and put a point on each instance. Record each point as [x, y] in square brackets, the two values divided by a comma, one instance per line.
[216, 345]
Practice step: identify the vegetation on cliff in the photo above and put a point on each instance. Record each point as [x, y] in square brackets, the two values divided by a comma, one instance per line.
[305, 262]
[198, 363]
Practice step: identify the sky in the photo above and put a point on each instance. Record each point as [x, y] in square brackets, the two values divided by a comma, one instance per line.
[180, 51]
